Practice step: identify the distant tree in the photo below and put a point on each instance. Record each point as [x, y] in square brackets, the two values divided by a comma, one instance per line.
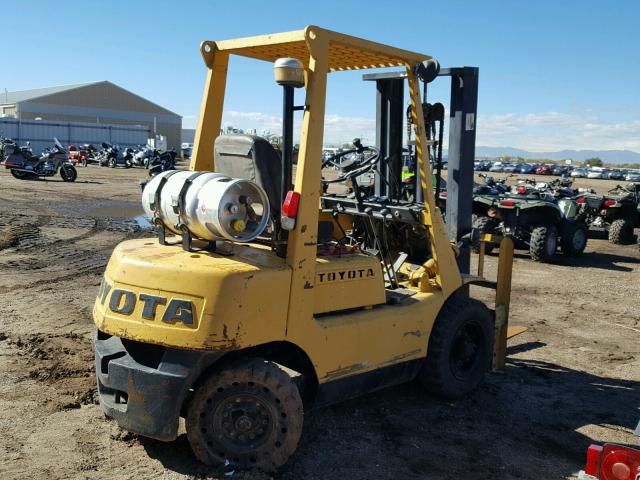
[593, 162]
[520, 159]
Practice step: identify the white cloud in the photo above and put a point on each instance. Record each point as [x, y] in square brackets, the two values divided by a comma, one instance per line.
[545, 131]
[337, 128]
[550, 131]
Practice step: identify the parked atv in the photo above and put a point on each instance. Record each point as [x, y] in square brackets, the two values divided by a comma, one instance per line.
[536, 220]
[618, 212]
[26, 166]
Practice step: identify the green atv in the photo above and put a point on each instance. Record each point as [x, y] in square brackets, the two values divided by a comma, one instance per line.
[536, 221]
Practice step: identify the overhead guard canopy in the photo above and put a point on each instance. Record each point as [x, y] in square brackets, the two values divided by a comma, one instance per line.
[344, 51]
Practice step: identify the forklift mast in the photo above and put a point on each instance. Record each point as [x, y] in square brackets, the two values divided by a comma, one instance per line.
[461, 148]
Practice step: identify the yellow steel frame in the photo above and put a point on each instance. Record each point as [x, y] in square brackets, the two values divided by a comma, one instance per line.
[321, 51]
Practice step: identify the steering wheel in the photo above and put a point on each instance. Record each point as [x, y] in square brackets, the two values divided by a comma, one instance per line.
[353, 167]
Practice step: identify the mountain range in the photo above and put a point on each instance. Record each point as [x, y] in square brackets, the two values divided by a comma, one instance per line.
[607, 156]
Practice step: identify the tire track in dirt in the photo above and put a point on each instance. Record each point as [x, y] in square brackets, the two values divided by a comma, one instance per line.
[26, 243]
[63, 362]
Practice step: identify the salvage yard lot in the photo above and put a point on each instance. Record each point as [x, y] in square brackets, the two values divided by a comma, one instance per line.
[571, 379]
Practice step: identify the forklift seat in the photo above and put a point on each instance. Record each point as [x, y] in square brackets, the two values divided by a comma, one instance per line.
[251, 158]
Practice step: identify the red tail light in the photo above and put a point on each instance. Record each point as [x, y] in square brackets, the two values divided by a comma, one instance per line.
[290, 210]
[507, 203]
[581, 200]
[521, 189]
[610, 203]
[443, 194]
[619, 463]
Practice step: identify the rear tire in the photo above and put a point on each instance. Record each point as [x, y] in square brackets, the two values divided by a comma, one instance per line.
[22, 175]
[574, 239]
[621, 232]
[543, 243]
[112, 162]
[249, 414]
[460, 348]
[483, 225]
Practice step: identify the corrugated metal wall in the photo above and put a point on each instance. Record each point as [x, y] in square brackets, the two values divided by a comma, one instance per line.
[41, 133]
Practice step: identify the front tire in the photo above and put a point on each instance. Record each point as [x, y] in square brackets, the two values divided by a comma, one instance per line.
[248, 414]
[68, 173]
[460, 348]
[112, 162]
[543, 243]
[621, 232]
[574, 239]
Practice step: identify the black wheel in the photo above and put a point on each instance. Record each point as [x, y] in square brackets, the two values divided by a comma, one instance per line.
[574, 239]
[483, 225]
[543, 243]
[128, 164]
[68, 173]
[112, 162]
[248, 414]
[621, 232]
[20, 175]
[460, 348]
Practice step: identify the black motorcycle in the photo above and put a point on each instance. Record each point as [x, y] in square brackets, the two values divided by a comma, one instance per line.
[165, 161]
[26, 166]
[112, 156]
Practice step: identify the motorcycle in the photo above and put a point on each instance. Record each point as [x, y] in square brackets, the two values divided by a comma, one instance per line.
[4, 141]
[163, 162]
[144, 156]
[112, 156]
[25, 166]
[491, 186]
[82, 155]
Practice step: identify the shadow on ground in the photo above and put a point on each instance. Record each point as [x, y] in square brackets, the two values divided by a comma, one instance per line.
[600, 260]
[521, 424]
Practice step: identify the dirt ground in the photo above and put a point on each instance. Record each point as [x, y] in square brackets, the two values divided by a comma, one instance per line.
[571, 379]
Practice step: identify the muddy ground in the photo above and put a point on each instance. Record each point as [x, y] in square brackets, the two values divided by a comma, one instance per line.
[571, 379]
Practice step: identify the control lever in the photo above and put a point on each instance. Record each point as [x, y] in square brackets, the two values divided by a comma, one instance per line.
[467, 240]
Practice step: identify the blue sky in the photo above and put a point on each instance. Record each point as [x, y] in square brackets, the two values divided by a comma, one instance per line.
[553, 74]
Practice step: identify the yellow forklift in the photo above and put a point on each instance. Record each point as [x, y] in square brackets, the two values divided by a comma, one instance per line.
[265, 296]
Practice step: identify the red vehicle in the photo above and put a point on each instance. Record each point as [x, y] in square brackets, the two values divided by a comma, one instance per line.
[77, 155]
[81, 155]
[543, 170]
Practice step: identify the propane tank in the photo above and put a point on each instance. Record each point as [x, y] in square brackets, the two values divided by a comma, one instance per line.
[215, 206]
